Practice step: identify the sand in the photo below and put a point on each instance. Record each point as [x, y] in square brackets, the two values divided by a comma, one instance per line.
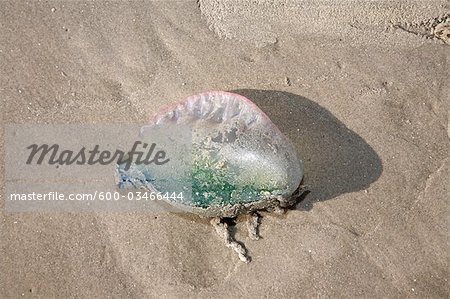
[361, 88]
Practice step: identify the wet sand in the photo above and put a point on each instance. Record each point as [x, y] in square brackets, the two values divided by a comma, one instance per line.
[361, 91]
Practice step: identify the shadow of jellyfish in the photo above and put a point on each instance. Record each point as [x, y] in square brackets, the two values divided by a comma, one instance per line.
[336, 159]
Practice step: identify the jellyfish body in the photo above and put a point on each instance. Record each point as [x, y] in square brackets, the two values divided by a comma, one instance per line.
[240, 161]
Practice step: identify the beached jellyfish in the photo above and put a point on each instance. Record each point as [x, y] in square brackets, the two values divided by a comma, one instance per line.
[238, 162]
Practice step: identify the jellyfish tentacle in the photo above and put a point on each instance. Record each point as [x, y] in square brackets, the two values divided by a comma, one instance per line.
[253, 222]
[223, 231]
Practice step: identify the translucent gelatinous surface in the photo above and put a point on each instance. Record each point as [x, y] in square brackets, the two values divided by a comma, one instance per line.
[238, 156]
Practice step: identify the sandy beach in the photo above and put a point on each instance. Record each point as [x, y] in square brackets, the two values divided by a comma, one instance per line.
[360, 88]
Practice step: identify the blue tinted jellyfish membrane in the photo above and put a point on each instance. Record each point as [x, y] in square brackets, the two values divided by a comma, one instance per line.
[137, 176]
[240, 163]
